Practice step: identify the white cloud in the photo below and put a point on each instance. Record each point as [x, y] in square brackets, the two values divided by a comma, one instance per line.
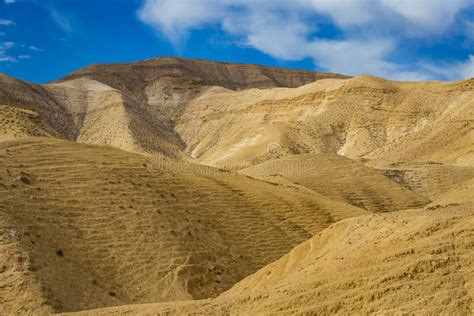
[452, 70]
[35, 48]
[24, 57]
[7, 58]
[4, 47]
[6, 22]
[9, 1]
[176, 18]
[370, 29]
[61, 20]
[469, 29]
[412, 18]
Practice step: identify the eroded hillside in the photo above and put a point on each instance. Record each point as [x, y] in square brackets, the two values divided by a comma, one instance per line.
[178, 186]
[91, 221]
[366, 118]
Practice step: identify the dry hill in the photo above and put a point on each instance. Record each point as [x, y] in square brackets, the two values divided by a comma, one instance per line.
[366, 118]
[428, 179]
[96, 226]
[338, 178]
[134, 106]
[16, 122]
[167, 83]
[178, 186]
[404, 262]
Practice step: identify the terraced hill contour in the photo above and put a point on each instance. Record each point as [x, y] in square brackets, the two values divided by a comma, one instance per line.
[97, 226]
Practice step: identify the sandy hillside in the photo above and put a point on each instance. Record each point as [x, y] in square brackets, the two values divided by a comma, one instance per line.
[361, 265]
[428, 179]
[179, 186]
[338, 178]
[368, 264]
[97, 226]
[104, 115]
[366, 118]
[234, 116]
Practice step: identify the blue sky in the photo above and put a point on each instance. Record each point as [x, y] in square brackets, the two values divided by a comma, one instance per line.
[42, 40]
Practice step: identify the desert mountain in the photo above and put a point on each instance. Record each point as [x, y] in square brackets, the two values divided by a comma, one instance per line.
[133, 106]
[366, 118]
[186, 186]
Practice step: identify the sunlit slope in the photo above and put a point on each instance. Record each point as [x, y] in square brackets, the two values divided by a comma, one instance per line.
[367, 118]
[234, 116]
[460, 195]
[339, 178]
[104, 115]
[166, 84]
[135, 106]
[97, 226]
[395, 263]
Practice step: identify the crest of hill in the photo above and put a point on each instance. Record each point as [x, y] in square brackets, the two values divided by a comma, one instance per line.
[228, 75]
[166, 84]
[134, 106]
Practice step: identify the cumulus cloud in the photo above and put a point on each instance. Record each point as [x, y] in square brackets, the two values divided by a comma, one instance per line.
[370, 30]
[410, 18]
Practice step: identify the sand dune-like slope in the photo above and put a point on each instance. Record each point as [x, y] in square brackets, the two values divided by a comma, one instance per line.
[88, 226]
[339, 178]
[404, 262]
[364, 117]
